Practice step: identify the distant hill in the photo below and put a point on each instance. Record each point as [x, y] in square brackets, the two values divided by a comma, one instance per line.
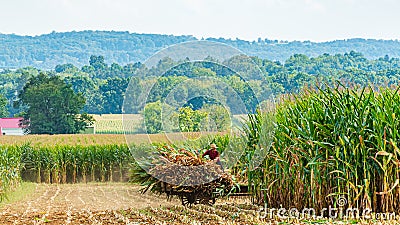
[48, 50]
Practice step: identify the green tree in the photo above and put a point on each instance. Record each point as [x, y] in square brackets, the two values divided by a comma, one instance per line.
[51, 106]
[191, 120]
[115, 70]
[97, 67]
[203, 72]
[3, 106]
[65, 68]
[163, 86]
[218, 117]
[158, 117]
[83, 84]
[132, 102]
[112, 92]
[97, 62]
[136, 69]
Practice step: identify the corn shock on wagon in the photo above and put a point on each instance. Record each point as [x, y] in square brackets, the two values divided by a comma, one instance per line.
[181, 173]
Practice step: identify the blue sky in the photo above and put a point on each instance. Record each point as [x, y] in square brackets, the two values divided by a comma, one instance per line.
[315, 20]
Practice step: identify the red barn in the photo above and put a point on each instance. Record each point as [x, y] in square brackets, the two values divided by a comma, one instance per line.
[11, 126]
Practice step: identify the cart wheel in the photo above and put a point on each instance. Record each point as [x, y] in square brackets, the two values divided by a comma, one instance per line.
[189, 199]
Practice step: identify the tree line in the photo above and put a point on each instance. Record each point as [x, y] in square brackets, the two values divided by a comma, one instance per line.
[103, 85]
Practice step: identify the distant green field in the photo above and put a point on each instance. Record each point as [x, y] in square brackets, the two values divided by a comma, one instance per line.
[113, 123]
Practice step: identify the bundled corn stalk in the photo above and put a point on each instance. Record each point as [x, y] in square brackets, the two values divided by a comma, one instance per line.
[179, 172]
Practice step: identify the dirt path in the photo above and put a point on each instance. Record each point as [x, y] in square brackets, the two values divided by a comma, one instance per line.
[60, 204]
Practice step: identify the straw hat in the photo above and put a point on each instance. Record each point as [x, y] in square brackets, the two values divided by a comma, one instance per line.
[213, 146]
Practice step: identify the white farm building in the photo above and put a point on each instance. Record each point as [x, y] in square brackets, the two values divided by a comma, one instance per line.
[11, 126]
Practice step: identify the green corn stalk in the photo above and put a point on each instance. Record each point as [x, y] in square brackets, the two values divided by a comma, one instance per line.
[10, 164]
[331, 142]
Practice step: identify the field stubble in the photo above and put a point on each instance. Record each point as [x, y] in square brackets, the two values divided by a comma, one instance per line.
[96, 139]
[101, 203]
[121, 203]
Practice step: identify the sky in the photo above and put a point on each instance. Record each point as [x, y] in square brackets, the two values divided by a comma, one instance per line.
[314, 20]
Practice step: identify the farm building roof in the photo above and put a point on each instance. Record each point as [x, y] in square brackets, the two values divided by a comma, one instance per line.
[10, 122]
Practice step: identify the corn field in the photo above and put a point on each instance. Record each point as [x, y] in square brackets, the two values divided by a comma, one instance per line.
[114, 123]
[72, 164]
[65, 139]
[10, 165]
[62, 164]
[97, 139]
[330, 143]
[73, 158]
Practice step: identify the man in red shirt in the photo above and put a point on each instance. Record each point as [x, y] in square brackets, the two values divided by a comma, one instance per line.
[213, 154]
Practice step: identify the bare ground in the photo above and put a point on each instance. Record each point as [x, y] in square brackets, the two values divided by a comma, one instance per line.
[78, 204]
[122, 203]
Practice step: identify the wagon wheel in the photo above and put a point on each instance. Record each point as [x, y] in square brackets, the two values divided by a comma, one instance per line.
[189, 199]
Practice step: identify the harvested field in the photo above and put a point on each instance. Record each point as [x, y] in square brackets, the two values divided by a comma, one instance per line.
[97, 139]
[63, 204]
[121, 203]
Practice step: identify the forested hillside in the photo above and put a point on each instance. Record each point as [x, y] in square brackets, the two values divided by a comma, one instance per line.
[47, 51]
